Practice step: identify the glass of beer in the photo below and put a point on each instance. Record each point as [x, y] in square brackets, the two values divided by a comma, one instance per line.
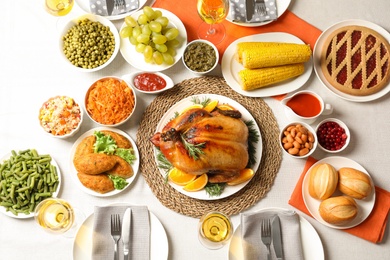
[57, 216]
[59, 7]
[214, 230]
[212, 12]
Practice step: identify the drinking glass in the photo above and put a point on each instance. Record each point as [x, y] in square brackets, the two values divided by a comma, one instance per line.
[59, 7]
[212, 12]
[214, 230]
[57, 216]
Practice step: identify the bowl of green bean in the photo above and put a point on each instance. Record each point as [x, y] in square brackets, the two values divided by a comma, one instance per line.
[27, 178]
[89, 42]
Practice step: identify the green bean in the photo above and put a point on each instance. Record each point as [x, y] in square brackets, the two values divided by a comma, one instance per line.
[26, 178]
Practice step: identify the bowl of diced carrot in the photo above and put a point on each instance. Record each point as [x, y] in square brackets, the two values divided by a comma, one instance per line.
[61, 116]
[110, 101]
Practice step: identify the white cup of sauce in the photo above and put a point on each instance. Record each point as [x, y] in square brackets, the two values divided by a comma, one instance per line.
[305, 106]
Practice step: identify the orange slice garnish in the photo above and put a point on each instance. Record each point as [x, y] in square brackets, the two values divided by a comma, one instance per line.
[244, 175]
[211, 105]
[179, 177]
[197, 184]
[225, 107]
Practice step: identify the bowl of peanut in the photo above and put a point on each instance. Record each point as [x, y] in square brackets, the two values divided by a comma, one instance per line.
[298, 140]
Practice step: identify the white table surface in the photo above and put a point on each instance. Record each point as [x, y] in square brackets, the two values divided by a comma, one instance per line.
[31, 71]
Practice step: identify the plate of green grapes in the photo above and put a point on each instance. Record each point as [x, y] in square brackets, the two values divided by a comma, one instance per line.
[152, 39]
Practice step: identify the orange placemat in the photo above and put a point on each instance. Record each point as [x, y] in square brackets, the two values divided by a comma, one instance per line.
[371, 229]
[288, 23]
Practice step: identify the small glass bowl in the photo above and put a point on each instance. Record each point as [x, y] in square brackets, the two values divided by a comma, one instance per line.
[298, 141]
[344, 136]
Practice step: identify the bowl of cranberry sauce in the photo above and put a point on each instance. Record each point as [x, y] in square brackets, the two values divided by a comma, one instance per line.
[149, 82]
[333, 135]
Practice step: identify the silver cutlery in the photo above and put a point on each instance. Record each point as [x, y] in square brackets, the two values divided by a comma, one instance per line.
[277, 238]
[260, 7]
[116, 232]
[249, 9]
[266, 235]
[126, 228]
[119, 4]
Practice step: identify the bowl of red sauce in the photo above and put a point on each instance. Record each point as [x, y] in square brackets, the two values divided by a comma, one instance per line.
[149, 82]
[333, 135]
[305, 106]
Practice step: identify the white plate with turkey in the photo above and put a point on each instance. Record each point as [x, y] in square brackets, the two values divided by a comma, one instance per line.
[207, 146]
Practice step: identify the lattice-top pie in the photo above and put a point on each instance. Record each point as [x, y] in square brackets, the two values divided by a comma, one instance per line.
[356, 60]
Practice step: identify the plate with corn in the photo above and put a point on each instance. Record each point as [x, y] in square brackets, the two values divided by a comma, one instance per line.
[267, 64]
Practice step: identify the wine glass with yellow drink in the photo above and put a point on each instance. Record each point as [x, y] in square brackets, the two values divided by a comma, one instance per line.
[57, 216]
[212, 12]
[214, 230]
[59, 7]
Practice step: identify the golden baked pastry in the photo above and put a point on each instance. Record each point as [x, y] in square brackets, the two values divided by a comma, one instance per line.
[355, 60]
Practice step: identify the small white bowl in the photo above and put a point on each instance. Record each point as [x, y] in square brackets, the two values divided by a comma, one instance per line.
[48, 120]
[94, 18]
[130, 79]
[342, 125]
[295, 136]
[186, 57]
[133, 95]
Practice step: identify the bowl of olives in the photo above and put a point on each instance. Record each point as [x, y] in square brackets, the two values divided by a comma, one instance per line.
[89, 42]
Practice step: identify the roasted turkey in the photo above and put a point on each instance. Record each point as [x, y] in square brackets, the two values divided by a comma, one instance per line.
[221, 139]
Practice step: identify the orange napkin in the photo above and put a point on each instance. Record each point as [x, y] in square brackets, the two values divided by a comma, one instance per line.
[372, 229]
[288, 23]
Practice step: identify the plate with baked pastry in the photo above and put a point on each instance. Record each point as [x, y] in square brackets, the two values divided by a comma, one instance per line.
[104, 161]
[207, 146]
[343, 69]
[346, 199]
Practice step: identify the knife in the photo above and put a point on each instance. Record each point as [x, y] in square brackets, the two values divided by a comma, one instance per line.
[277, 238]
[126, 226]
[110, 6]
[250, 9]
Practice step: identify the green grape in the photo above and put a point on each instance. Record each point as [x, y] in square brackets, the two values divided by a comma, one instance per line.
[148, 52]
[149, 12]
[140, 47]
[136, 31]
[143, 38]
[158, 58]
[126, 32]
[159, 39]
[173, 43]
[130, 21]
[133, 40]
[157, 14]
[155, 26]
[162, 20]
[172, 34]
[168, 59]
[171, 51]
[161, 47]
[143, 19]
[146, 30]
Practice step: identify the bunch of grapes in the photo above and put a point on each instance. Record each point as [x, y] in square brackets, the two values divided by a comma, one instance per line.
[151, 35]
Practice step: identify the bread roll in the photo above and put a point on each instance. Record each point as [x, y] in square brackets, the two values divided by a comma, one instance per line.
[354, 183]
[338, 210]
[323, 181]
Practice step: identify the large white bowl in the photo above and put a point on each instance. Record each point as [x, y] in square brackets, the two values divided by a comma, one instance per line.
[94, 18]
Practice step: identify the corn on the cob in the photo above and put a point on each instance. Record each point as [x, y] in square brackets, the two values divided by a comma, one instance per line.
[274, 54]
[242, 46]
[257, 78]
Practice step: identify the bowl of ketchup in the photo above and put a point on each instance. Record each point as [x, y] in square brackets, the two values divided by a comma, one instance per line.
[305, 106]
[149, 82]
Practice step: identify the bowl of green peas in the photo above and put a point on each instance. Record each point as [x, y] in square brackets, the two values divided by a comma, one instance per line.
[89, 42]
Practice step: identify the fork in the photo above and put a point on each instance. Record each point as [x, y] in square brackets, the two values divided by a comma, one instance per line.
[116, 232]
[266, 235]
[260, 7]
[119, 4]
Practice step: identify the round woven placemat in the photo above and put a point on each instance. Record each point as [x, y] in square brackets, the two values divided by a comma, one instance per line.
[246, 197]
